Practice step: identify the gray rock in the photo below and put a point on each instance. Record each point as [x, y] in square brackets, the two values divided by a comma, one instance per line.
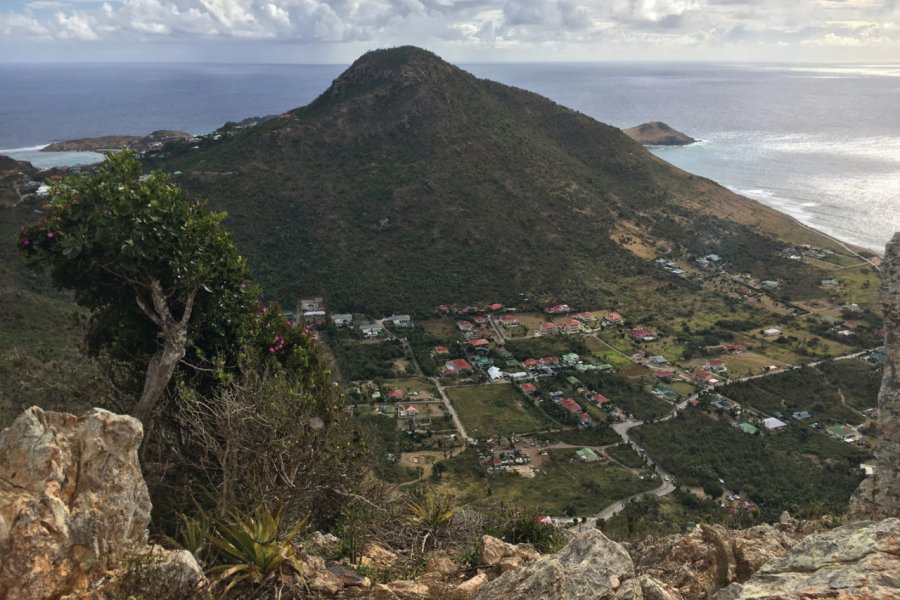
[590, 566]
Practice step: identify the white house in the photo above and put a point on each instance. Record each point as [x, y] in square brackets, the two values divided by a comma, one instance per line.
[494, 373]
[371, 330]
[342, 320]
[773, 424]
[400, 320]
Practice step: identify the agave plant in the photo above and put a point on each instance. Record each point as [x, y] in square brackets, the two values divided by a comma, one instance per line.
[431, 512]
[255, 549]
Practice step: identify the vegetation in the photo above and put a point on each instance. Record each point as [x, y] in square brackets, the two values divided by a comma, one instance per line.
[492, 410]
[156, 272]
[624, 454]
[778, 472]
[368, 360]
[600, 435]
[834, 391]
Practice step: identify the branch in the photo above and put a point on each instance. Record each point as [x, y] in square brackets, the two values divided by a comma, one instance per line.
[147, 310]
[188, 307]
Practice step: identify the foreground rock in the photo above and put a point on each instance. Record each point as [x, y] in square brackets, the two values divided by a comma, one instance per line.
[710, 557]
[859, 560]
[878, 495]
[658, 134]
[590, 566]
[74, 511]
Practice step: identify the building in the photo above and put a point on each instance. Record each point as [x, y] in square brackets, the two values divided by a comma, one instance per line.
[704, 378]
[494, 373]
[748, 428]
[664, 374]
[509, 321]
[371, 330]
[549, 328]
[570, 405]
[612, 318]
[801, 415]
[479, 344]
[587, 455]
[458, 366]
[557, 309]
[772, 331]
[773, 424]
[642, 334]
[342, 320]
[400, 320]
[716, 365]
[528, 388]
[464, 326]
[308, 304]
[440, 351]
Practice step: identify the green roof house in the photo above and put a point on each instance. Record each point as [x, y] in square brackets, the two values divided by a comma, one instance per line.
[587, 455]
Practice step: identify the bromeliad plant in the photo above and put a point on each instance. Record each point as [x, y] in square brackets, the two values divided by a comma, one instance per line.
[255, 551]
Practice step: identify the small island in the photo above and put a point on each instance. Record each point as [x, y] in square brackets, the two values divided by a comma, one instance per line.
[117, 142]
[658, 134]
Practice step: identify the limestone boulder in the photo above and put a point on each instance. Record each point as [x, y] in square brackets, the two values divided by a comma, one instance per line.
[492, 550]
[590, 566]
[376, 555]
[860, 560]
[74, 506]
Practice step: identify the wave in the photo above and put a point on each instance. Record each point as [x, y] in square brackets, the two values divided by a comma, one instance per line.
[27, 149]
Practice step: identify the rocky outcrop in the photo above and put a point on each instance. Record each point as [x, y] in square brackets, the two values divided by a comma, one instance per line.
[709, 558]
[590, 566]
[657, 133]
[860, 560]
[878, 495]
[74, 511]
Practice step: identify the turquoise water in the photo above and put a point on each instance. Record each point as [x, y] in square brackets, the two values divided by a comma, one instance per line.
[820, 142]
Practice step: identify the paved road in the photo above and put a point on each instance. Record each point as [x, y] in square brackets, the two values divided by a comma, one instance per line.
[459, 426]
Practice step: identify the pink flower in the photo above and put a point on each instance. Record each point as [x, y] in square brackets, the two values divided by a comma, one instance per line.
[243, 285]
[25, 241]
[49, 234]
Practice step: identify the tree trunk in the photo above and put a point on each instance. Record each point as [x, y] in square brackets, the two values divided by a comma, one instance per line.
[175, 339]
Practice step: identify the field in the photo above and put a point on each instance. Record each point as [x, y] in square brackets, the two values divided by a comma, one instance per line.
[604, 353]
[625, 455]
[565, 487]
[417, 388]
[490, 410]
[592, 436]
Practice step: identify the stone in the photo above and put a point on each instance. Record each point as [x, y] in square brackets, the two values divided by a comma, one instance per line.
[508, 563]
[859, 560]
[376, 555]
[878, 496]
[491, 550]
[787, 519]
[349, 577]
[326, 545]
[710, 557]
[325, 582]
[469, 587]
[443, 565]
[404, 589]
[657, 590]
[74, 507]
[527, 552]
[590, 566]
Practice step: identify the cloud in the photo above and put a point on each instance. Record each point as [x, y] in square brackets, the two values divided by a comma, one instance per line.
[571, 27]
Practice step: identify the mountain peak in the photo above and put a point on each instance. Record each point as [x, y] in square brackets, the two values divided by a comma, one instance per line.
[395, 67]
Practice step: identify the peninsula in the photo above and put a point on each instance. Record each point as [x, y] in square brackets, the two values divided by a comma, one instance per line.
[116, 142]
[658, 133]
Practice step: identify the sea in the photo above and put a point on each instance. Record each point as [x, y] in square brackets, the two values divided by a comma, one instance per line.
[820, 142]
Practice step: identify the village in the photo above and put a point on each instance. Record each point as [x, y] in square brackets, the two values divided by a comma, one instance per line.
[532, 395]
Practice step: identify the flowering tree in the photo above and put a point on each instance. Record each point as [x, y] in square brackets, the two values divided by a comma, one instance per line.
[158, 274]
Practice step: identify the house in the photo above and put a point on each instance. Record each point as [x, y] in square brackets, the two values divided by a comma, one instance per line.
[573, 381]
[587, 455]
[557, 309]
[407, 410]
[570, 405]
[585, 420]
[704, 378]
[495, 306]
[464, 326]
[395, 394]
[440, 351]
[727, 404]
[458, 366]
[479, 320]
[716, 365]
[529, 363]
[570, 359]
[528, 388]
[659, 360]
[773, 424]
[772, 331]
[584, 316]
[770, 284]
[518, 376]
[598, 399]
[748, 428]
[314, 317]
[509, 321]
[665, 392]
[734, 348]
[642, 334]
[400, 320]
[801, 415]
[570, 326]
[479, 344]
[308, 304]
[664, 374]
[548, 328]
[713, 258]
[342, 320]
[483, 362]
[371, 330]
[840, 432]
[612, 318]
[830, 283]
[494, 373]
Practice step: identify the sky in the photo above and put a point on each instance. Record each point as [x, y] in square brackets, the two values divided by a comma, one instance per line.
[337, 31]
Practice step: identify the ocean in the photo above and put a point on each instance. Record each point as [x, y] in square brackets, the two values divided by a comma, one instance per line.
[819, 142]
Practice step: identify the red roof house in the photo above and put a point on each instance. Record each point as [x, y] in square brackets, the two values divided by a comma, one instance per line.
[557, 309]
[528, 388]
[642, 334]
[570, 405]
[457, 366]
[441, 350]
[395, 394]
[495, 306]
[549, 328]
[464, 326]
[613, 317]
[479, 344]
[599, 399]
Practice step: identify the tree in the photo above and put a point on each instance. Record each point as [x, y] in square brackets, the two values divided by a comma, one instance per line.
[158, 273]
